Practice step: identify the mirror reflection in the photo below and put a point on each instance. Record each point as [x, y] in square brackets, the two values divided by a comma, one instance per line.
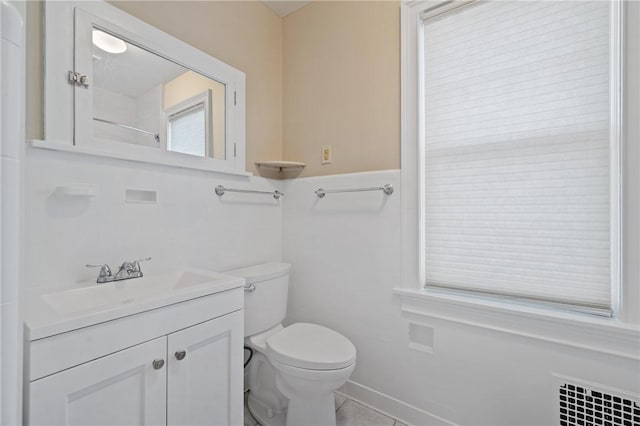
[144, 99]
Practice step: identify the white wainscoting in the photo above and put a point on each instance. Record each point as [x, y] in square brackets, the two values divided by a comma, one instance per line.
[187, 225]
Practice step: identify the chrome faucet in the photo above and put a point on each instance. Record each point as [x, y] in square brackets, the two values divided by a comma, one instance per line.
[104, 276]
[126, 271]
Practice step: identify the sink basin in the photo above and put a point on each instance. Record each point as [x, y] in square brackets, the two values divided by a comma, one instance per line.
[123, 292]
[65, 310]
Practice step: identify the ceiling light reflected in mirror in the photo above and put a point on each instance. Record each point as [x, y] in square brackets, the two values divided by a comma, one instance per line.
[107, 42]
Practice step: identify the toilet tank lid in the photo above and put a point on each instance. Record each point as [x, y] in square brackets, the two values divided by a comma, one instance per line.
[257, 273]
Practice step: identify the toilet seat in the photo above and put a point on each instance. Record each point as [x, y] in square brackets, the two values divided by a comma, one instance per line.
[326, 376]
[310, 347]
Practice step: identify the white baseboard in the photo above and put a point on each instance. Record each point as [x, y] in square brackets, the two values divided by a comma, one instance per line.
[390, 406]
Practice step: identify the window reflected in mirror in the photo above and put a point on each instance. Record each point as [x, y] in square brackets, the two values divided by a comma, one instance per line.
[145, 99]
[188, 126]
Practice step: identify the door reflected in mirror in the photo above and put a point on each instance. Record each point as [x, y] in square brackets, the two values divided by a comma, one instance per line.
[145, 99]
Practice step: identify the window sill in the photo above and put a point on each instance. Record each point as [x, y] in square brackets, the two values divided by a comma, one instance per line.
[605, 335]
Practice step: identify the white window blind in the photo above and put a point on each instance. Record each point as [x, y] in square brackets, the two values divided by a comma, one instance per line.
[517, 117]
[187, 132]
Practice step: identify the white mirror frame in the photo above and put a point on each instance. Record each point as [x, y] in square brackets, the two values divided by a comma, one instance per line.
[70, 128]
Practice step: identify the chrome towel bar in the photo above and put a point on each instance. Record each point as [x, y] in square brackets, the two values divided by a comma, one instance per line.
[156, 136]
[220, 190]
[387, 189]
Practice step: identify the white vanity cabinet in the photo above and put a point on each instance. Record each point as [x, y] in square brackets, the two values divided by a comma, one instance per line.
[118, 389]
[202, 388]
[185, 368]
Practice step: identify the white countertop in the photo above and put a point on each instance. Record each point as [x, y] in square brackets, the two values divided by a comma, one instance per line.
[49, 313]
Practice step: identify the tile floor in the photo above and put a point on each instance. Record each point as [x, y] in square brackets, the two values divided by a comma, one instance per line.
[348, 413]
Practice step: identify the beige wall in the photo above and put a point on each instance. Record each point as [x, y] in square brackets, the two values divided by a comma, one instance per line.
[342, 85]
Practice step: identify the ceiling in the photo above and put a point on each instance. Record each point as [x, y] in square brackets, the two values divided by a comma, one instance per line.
[284, 7]
[134, 72]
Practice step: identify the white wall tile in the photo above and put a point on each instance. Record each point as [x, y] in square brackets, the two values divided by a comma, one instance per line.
[9, 214]
[10, 363]
[12, 110]
[189, 225]
[119, 108]
[11, 155]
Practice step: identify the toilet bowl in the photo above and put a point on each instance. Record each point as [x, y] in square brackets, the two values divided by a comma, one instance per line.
[295, 369]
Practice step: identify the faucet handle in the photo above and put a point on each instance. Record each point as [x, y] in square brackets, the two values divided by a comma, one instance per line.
[104, 268]
[104, 274]
[136, 263]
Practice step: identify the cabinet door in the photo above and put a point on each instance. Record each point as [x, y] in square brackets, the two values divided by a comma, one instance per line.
[205, 382]
[121, 389]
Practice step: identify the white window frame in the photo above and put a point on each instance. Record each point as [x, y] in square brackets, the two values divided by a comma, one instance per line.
[419, 304]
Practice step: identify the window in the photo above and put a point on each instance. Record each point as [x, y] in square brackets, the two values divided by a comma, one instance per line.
[188, 126]
[519, 151]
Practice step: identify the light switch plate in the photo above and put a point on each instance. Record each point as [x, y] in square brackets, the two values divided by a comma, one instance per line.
[325, 154]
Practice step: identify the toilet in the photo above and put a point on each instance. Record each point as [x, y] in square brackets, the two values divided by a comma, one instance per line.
[295, 369]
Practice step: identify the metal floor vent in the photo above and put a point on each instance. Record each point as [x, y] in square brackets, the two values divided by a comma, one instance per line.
[581, 406]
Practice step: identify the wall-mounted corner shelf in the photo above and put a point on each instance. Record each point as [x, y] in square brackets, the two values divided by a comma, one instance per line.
[280, 169]
[282, 165]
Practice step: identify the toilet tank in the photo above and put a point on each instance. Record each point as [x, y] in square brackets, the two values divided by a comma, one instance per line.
[265, 296]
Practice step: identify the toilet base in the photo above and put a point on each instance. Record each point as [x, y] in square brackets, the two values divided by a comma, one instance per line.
[261, 414]
[266, 403]
[310, 393]
[319, 411]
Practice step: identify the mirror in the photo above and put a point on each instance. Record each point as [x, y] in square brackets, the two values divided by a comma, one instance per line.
[142, 98]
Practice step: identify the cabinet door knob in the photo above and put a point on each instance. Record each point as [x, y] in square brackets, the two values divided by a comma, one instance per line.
[158, 363]
[180, 355]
